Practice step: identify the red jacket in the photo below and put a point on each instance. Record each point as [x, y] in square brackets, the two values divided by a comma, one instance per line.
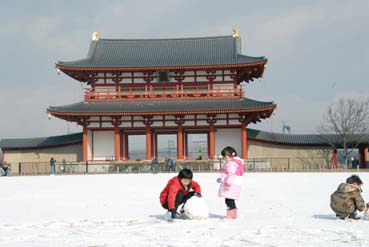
[170, 191]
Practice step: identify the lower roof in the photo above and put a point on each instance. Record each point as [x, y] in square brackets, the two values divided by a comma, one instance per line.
[41, 142]
[295, 139]
[252, 134]
[182, 106]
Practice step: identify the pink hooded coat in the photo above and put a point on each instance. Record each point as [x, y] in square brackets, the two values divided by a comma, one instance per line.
[231, 180]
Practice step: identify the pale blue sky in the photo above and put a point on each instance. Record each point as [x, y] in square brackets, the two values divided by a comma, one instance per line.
[317, 50]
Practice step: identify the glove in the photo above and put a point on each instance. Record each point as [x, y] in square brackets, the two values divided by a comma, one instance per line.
[174, 213]
[197, 194]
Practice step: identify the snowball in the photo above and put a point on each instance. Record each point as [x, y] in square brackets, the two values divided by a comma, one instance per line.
[195, 208]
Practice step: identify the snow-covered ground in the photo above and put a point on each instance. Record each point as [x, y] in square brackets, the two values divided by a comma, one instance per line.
[276, 209]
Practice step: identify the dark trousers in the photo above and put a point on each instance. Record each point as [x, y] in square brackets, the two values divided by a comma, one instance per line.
[231, 204]
[180, 198]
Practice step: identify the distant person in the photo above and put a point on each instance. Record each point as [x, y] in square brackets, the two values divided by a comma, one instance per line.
[64, 166]
[171, 165]
[154, 165]
[166, 164]
[4, 168]
[52, 166]
[230, 181]
[199, 155]
[178, 190]
[347, 199]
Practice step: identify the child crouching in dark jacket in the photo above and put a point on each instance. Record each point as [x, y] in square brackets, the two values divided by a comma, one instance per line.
[347, 198]
[178, 190]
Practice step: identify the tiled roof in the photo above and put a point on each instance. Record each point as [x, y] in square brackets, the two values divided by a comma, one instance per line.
[301, 139]
[144, 106]
[285, 138]
[253, 134]
[41, 141]
[163, 52]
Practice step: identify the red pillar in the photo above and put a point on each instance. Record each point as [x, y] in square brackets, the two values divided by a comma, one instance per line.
[211, 141]
[148, 143]
[116, 142]
[180, 142]
[244, 141]
[334, 159]
[85, 144]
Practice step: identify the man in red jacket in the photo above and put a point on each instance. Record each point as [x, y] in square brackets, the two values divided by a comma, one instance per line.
[178, 191]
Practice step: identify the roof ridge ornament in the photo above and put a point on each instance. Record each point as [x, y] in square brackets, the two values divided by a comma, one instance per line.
[95, 36]
[236, 32]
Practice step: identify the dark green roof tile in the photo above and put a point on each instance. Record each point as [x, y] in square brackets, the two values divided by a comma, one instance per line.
[163, 52]
[301, 139]
[183, 105]
[41, 141]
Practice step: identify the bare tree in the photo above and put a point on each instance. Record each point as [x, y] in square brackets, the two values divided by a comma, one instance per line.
[346, 124]
[319, 159]
[325, 154]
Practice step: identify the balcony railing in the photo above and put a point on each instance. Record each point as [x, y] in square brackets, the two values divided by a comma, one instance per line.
[152, 93]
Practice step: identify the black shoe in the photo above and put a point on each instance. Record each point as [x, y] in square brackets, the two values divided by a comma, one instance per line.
[354, 217]
[340, 217]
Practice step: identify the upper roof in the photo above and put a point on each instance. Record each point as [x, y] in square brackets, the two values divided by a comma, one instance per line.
[41, 142]
[133, 53]
[211, 105]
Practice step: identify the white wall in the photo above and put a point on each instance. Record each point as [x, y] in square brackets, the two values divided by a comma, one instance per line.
[103, 145]
[228, 137]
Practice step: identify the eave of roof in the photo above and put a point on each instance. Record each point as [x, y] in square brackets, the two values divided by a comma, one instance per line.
[41, 142]
[162, 107]
[301, 139]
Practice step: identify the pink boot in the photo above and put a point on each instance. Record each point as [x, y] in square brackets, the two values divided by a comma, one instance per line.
[234, 213]
[229, 214]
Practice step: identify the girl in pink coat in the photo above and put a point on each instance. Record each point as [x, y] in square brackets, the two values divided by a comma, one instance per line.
[230, 180]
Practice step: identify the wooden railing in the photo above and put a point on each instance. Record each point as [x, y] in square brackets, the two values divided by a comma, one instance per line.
[136, 94]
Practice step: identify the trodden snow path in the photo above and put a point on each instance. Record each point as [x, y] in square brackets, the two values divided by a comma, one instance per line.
[276, 209]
